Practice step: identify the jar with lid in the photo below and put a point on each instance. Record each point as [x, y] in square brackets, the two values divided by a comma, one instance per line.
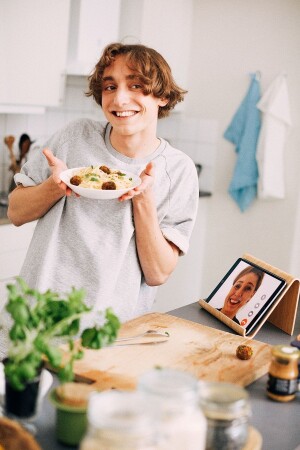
[119, 420]
[183, 425]
[296, 343]
[227, 410]
[283, 373]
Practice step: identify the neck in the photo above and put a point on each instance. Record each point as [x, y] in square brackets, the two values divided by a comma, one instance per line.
[134, 146]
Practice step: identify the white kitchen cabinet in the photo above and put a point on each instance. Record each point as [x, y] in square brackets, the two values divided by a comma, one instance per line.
[166, 26]
[93, 25]
[33, 52]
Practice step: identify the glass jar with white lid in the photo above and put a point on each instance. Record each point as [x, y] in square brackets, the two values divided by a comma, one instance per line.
[227, 409]
[183, 425]
[119, 420]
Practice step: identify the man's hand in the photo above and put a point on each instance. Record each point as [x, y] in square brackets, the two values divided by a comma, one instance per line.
[57, 166]
[147, 177]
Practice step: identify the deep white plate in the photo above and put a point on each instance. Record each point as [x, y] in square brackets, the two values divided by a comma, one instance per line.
[98, 194]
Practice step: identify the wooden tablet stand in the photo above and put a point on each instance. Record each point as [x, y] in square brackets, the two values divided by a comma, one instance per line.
[282, 313]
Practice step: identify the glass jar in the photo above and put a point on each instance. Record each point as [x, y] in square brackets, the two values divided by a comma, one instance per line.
[183, 425]
[296, 343]
[283, 373]
[227, 410]
[120, 421]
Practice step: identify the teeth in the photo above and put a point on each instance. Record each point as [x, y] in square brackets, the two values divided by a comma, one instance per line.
[124, 113]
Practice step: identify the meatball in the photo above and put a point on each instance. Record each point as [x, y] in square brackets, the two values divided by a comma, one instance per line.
[76, 180]
[109, 186]
[105, 169]
[244, 352]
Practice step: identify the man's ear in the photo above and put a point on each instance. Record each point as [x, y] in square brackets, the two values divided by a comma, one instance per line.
[163, 102]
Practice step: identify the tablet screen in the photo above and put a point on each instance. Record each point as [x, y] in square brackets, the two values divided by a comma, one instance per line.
[246, 293]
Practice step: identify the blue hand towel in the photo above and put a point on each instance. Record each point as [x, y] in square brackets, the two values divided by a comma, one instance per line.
[243, 131]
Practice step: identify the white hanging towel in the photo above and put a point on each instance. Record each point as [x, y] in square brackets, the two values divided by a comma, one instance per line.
[276, 120]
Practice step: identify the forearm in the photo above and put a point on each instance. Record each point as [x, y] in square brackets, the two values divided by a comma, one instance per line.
[30, 203]
[158, 257]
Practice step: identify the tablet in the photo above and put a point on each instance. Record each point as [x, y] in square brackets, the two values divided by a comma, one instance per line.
[246, 293]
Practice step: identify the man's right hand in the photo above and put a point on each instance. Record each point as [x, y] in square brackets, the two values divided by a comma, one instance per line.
[57, 166]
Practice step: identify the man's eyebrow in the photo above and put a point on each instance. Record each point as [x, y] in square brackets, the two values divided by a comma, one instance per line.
[107, 78]
[128, 77]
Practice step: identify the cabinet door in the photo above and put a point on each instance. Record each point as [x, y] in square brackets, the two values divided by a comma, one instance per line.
[33, 51]
[93, 25]
[165, 26]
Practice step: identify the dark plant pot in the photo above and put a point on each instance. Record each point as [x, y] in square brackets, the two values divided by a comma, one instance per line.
[22, 404]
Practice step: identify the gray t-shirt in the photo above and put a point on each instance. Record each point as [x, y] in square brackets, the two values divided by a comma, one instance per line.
[89, 243]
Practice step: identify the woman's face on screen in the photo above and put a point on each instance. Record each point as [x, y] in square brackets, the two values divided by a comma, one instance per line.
[241, 292]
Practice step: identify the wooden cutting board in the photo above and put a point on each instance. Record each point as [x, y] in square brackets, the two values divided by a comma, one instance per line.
[205, 352]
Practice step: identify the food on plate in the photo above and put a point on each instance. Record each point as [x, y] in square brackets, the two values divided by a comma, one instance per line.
[105, 169]
[244, 352]
[109, 185]
[76, 180]
[101, 177]
[74, 394]
[14, 437]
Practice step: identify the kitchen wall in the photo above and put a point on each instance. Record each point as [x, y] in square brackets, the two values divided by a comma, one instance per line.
[229, 40]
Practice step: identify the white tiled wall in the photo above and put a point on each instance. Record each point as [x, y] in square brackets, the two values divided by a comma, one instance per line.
[196, 137]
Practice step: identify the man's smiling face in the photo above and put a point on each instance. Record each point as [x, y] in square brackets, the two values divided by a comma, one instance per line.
[124, 104]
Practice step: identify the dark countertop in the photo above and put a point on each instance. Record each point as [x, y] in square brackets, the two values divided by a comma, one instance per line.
[277, 422]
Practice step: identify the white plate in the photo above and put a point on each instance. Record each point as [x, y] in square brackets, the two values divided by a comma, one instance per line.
[46, 382]
[98, 194]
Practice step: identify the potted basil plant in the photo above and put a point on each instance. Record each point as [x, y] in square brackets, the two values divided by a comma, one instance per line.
[38, 320]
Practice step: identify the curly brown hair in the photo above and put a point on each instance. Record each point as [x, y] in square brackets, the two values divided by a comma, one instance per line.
[149, 66]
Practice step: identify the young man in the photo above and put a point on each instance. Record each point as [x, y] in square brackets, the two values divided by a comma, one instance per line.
[118, 250]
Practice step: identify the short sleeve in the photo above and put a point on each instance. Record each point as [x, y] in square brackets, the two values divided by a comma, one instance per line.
[178, 224]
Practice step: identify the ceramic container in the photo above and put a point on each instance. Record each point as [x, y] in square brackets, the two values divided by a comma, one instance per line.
[71, 421]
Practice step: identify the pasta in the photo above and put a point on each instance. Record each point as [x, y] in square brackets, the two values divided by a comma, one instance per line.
[101, 177]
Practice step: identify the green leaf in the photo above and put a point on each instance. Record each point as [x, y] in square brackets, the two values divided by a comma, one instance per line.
[88, 336]
[16, 332]
[54, 356]
[66, 373]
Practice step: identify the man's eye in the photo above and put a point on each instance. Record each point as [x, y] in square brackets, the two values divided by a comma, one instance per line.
[109, 88]
[136, 86]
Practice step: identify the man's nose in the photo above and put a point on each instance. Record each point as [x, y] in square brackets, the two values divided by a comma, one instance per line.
[121, 97]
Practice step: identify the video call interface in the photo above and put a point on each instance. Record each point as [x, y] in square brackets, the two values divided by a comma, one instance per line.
[264, 296]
